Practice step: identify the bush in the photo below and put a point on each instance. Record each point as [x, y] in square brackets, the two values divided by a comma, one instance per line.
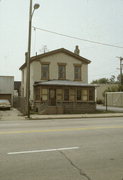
[99, 101]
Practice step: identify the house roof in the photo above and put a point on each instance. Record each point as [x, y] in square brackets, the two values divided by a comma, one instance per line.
[62, 83]
[61, 50]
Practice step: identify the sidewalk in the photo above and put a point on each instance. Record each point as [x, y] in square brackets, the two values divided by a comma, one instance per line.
[115, 112]
[74, 116]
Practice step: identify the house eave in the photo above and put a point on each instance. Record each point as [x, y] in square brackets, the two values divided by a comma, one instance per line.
[62, 83]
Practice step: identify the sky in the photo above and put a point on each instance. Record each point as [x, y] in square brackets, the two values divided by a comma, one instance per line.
[94, 20]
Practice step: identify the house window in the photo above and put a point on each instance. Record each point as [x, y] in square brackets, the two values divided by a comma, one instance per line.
[45, 71]
[59, 94]
[44, 94]
[66, 94]
[72, 94]
[79, 92]
[77, 72]
[37, 93]
[91, 94]
[84, 95]
[62, 71]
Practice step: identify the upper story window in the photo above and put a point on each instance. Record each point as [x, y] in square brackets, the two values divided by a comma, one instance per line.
[45, 71]
[77, 72]
[61, 71]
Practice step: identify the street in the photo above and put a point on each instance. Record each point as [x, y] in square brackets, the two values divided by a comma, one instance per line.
[88, 149]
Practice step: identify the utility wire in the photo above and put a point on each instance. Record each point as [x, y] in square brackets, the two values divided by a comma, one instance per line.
[86, 40]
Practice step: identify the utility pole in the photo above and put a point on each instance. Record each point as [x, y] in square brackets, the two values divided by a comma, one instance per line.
[31, 12]
[121, 67]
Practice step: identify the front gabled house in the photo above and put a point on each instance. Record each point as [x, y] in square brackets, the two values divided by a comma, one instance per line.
[59, 83]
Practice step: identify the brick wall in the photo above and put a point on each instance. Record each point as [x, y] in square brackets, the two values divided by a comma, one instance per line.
[78, 108]
[67, 108]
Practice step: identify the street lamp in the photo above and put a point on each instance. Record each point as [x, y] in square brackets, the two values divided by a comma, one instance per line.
[36, 6]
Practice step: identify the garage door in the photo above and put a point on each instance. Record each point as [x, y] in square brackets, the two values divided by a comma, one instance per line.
[6, 96]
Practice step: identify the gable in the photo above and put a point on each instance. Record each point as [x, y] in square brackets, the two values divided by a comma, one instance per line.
[57, 53]
[61, 58]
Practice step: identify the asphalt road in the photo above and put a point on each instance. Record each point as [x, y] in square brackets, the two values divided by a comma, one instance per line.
[67, 149]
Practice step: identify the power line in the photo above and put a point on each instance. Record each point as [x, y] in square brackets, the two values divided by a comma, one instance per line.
[77, 38]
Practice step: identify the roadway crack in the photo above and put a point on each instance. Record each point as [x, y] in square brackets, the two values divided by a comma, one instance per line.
[75, 166]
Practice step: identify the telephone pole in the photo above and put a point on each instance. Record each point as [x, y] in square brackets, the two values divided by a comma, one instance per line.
[121, 67]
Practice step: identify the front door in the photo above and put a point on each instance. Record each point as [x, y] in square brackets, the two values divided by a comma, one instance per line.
[52, 97]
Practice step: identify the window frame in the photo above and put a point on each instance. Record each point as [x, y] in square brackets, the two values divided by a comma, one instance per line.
[64, 73]
[67, 94]
[79, 73]
[85, 95]
[59, 94]
[47, 77]
[91, 94]
[37, 93]
[80, 91]
[46, 93]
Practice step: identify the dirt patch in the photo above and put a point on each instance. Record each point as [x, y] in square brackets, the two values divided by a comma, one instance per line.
[11, 115]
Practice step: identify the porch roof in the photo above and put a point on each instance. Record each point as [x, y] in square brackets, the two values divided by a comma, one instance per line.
[62, 83]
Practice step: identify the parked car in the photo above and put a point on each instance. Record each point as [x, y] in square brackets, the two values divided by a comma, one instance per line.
[5, 104]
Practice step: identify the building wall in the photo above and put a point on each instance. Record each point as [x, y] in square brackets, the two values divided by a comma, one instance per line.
[66, 108]
[7, 86]
[82, 107]
[70, 61]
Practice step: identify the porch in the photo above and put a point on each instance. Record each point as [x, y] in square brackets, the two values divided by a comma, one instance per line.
[64, 98]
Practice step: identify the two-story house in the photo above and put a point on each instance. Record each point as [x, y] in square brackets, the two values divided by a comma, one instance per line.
[59, 83]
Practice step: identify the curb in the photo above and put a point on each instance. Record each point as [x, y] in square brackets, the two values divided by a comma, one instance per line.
[49, 117]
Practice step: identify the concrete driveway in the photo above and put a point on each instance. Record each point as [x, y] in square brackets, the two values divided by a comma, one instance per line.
[12, 114]
[115, 109]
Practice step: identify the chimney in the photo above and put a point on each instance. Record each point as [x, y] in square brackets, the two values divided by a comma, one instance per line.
[77, 51]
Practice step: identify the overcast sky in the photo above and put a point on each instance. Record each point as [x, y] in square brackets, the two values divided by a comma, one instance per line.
[95, 20]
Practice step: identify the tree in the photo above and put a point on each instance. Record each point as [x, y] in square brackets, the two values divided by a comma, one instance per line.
[120, 79]
[111, 80]
[101, 81]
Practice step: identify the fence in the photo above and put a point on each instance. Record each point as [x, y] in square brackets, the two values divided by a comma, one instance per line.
[114, 99]
[20, 103]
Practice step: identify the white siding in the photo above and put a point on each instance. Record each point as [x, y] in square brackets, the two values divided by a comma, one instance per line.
[70, 61]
